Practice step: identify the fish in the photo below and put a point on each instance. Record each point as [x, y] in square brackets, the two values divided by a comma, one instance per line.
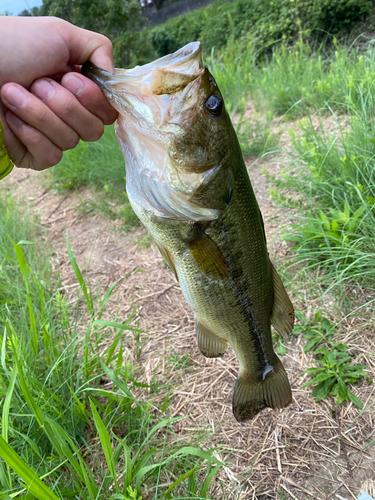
[187, 181]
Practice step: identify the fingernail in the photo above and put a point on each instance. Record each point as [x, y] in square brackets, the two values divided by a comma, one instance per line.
[74, 84]
[14, 120]
[43, 89]
[15, 97]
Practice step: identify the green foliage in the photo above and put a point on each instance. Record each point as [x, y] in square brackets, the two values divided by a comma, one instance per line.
[335, 369]
[332, 238]
[233, 70]
[255, 135]
[101, 166]
[299, 79]
[333, 374]
[334, 176]
[315, 332]
[264, 22]
[212, 25]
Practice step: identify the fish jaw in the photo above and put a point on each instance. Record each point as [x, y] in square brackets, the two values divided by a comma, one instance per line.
[160, 104]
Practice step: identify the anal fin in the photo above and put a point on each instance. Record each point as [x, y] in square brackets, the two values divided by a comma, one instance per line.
[282, 316]
[251, 395]
[209, 344]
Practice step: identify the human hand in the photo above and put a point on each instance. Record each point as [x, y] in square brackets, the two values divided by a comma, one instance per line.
[46, 105]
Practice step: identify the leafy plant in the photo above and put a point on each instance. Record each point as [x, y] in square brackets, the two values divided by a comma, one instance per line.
[333, 374]
[315, 332]
[333, 179]
[335, 369]
[339, 229]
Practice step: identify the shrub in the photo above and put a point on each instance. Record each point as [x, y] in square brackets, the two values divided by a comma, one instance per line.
[264, 21]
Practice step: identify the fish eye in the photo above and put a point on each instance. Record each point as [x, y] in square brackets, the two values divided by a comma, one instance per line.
[214, 104]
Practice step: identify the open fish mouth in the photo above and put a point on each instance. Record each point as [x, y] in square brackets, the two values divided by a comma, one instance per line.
[157, 103]
[166, 76]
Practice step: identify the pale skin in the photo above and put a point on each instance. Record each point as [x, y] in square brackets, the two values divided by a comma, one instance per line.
[46, 105]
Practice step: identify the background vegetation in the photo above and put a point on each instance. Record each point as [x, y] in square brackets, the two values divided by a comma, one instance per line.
[279, 58]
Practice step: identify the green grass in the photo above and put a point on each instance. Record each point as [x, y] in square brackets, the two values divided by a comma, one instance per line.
[334, 175]
[100, 166]
[75, 419]
[302, 79]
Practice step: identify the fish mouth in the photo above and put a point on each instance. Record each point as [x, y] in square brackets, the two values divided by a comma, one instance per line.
[167, 75]
[156, 103]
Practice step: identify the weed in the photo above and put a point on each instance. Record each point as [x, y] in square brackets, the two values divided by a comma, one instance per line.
[145, 241]
[233, 71]
[333, 374]
[335, 180]
[335, 369]
[180, 361]
[316, 332]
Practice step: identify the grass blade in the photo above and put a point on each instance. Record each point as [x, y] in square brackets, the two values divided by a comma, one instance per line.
[34, 484]
[81, 281]
[179, 480]
[25, 390]
[106, 444]
[7, 402]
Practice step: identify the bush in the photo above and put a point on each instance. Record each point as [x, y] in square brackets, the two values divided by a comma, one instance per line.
[264, 21]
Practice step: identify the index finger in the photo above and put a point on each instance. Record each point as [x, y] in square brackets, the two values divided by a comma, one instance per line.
[90, 96]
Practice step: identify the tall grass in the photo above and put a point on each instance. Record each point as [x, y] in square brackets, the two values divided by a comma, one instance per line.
[75, 420]
[297, 80]
[334, 175]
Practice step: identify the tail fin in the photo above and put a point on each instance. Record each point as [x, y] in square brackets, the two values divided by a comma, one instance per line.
[251, 396]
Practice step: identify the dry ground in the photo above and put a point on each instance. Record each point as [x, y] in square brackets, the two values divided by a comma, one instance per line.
[305, 451]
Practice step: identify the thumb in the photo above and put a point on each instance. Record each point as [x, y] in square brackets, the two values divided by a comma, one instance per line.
[87, 45]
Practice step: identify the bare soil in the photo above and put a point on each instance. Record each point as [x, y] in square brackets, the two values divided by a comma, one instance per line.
[308, 450]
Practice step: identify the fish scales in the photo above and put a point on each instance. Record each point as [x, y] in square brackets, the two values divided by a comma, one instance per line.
[188, 184]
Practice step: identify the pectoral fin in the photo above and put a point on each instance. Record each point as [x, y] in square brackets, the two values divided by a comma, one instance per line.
[168, 258]
[282, 316]
[209, 344]
[207, 254]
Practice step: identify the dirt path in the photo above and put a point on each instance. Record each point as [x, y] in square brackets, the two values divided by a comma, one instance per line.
[304, 451]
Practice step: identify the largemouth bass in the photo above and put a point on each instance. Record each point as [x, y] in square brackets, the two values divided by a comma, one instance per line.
[187, 182]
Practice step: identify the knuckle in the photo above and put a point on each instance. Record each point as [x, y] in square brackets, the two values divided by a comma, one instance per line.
[52, 159]
[106, 42]
[42, 116]
[110, 118]
[95, 133]
[68, 108]
[73, 141]
[33, 138]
